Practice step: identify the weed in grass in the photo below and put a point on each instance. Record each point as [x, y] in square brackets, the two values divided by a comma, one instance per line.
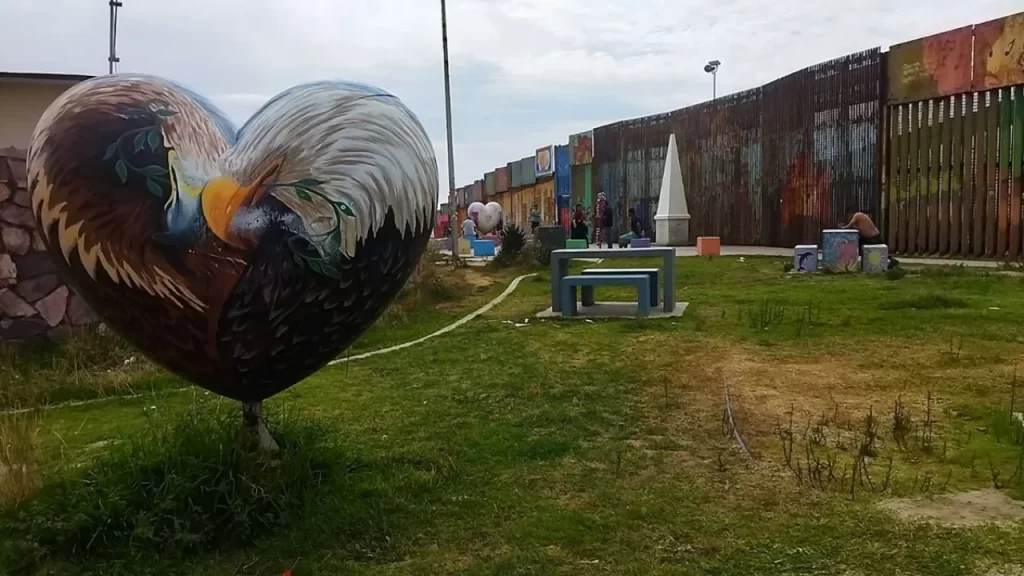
[19, 474]
[183, 487]
[902, 425]
[765, 316]
[954, 348]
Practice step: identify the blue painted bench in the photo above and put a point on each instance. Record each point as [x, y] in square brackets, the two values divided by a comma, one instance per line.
[640, 281]
[587, 292]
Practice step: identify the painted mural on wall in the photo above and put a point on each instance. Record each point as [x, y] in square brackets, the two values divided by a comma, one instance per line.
[242, 260]
[939, 65]
[999, 53]
[545, 161]
[581, 148]
[502, 178]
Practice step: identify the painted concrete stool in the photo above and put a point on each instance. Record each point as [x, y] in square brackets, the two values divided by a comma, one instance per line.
[640, 243]
[709, 246]
[805, 258]
[483, 248]
[875, 259]
[576, 244]
[464, 247]
[840, 250]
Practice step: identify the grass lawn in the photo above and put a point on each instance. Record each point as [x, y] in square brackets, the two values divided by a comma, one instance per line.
[573, 447]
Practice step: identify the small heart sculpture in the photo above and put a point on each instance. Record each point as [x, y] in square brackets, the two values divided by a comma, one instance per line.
[489, 217]
[242, 260]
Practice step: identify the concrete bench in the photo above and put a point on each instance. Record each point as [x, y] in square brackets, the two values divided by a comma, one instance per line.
[640, 243]
[640, 281]
[587, 292]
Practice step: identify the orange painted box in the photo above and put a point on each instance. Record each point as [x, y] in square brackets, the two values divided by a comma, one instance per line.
[709, 246]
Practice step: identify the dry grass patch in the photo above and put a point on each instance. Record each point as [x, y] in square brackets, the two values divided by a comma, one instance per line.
[959, 509]
[19, 459]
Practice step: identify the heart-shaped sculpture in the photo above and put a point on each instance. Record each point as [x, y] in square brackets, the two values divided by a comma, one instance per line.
[473, 211]
[489, 217]
[242, 260]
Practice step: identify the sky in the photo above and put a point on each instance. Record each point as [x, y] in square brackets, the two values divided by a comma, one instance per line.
[524, 73]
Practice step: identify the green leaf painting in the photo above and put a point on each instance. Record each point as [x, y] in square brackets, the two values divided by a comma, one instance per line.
[154, 140]
[122, 171]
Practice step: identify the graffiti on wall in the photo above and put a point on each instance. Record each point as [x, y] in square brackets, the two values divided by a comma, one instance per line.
[243, 260]
[999, 53]
[939, 65]
[581, 148]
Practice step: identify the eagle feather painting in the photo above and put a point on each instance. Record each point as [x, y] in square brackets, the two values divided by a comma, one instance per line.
[242, 260]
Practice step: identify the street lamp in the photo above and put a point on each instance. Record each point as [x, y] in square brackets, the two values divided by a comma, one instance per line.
[448, 119]
[712, 68]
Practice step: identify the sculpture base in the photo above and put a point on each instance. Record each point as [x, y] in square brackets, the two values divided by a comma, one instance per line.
[672, 230]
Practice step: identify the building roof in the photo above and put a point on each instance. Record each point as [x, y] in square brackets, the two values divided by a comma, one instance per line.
[44, 77]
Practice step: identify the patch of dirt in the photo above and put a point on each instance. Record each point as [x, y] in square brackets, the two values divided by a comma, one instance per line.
[959, 509]
[474, 278]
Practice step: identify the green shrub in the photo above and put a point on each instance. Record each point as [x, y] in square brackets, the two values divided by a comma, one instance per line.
[541, 254]
[513, 240]
[182, 487]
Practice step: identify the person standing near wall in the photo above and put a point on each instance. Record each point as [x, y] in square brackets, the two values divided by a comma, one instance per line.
[534, 219]
[607, 220]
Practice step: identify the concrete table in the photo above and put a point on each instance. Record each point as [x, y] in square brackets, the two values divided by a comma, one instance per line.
[560, 269]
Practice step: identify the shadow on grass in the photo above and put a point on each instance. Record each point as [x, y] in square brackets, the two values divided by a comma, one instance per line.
[184, 488]
[925, 302]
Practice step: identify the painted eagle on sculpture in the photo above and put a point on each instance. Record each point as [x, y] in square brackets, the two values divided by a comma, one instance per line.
[241, 260]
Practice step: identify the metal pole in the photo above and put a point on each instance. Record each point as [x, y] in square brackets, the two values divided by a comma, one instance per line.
[714, 84]
[112, 58]
[452, 224]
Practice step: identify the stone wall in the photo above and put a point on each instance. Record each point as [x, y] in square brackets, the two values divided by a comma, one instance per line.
[34, 301]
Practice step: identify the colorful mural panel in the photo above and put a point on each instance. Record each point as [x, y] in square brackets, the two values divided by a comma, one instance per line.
[529, 170]
[544, 164]
[515, 179]
[581, 148]
[490, 184]
[502, 177]
[999, 53]
[242, 260]
[939, 65]
[840, 251]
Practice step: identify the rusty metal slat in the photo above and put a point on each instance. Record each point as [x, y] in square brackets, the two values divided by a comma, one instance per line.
[913, 198]
[955, 173]
[991, 174]
[904, 175]
[1003, 182]
[967, 158]
[924, 190]
[934, 170]
[980, 190]
[944, 172]
[1017, 172]
[893, 183]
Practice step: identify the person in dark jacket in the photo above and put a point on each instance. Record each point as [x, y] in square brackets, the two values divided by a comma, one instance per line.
[578, 229]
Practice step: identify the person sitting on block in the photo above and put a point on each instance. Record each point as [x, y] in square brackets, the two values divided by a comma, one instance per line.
[866, 229]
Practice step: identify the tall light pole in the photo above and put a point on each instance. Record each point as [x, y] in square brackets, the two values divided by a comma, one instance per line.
[712, 68]
[112, 58]
[454, 242]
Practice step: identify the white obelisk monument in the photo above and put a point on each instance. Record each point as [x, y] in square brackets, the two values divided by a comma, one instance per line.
[672, 222]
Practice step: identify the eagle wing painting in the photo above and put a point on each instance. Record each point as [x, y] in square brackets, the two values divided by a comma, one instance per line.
[241, 260]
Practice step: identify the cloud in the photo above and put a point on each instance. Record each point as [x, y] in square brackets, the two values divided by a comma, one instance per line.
[525, 73]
